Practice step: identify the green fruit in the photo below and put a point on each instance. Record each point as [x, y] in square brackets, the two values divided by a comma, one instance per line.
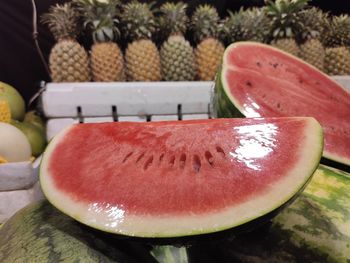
[315, 228]
[15, 100]
[35, 136]
[40, 233]
[33, 118]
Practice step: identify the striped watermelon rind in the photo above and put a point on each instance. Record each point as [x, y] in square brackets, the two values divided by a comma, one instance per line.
[41, 233]
[326, 200]
[315, 228]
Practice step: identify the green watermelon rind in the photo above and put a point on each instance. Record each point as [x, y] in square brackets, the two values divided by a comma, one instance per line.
[77, 211]
[40, 233]
[309, 230]
[329, 193]
[226, 106]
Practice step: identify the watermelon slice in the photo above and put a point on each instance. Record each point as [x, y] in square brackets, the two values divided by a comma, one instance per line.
[261, 81]
[179, 178]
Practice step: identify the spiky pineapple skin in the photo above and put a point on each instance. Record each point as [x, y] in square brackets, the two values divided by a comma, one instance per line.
[208, 56]
[178, 60]
[337, 61]
[288, 45]
[107, 62]
[313, 52]
[142, 61]
[5, 112]
[69, 62]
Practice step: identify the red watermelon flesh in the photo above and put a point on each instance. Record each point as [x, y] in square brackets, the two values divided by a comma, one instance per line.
[263, 81]
[178, 178]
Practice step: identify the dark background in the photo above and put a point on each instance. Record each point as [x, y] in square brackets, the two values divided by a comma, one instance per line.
[20, 64]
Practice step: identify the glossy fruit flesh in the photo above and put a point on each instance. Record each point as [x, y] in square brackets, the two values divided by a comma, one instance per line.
[179, 178]
[270, 83]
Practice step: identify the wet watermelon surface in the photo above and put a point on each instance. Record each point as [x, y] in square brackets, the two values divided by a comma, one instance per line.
[268, 83]
[166, 168]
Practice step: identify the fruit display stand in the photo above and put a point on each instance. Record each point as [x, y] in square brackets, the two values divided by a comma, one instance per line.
[67, 103]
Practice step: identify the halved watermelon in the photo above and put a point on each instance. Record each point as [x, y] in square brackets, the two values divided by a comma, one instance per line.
[261, 81]
[179, 178]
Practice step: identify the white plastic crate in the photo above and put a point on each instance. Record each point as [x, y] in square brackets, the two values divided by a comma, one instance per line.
[67, 103]
[96, 99]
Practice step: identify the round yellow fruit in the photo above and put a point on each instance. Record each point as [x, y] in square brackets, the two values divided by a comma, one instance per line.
[14, 99]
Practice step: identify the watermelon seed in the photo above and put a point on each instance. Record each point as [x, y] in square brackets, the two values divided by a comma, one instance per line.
[220, 150]
[209, 158]
[127, 157]
[196, 162]
[161, 158]
[182, 160]
[249, 84]
[140, 157]
[148, 163]
[278, 105]
[258, 64]
[172, 160]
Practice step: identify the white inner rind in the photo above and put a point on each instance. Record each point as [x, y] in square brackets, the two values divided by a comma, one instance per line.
[190, 224]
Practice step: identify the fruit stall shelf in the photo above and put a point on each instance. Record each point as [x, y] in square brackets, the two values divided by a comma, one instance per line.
[67, 103]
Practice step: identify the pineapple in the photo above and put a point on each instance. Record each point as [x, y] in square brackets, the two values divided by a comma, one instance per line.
[106, 58]
[285, 23]
[68, 59]
[338, 32]
[177, 56]
[232, 29]
[209, 51]
[337, 41]
[255, 24]
[251, 24]
[142, 56]
[5, 111]
[337, 61]
[311, 48]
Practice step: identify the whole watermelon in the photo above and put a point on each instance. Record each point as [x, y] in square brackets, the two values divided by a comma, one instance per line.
[315, 228]
[40, 233]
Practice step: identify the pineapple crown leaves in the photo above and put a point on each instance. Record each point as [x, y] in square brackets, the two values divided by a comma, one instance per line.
[313, 24]
[205, 22]
[338, 31]
[63, 21]
[232, 29]
[138, 21]
[100, 18]
[173, 18]
[256, 24]
[284, 17]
